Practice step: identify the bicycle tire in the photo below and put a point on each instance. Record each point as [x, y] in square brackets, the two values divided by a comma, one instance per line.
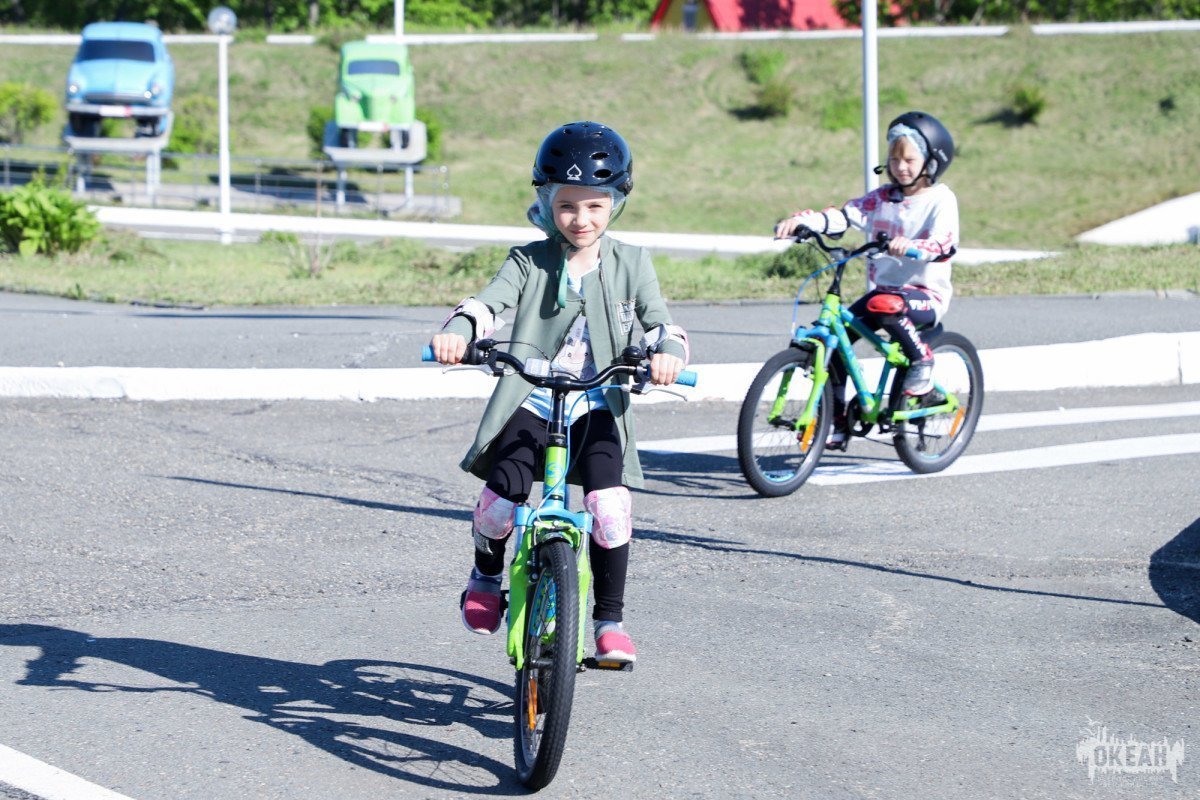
[776, 460]
[545, 687]
[932, 444]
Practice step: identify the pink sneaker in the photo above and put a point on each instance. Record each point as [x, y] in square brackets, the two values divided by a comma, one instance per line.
[614, 644]
[482, 604]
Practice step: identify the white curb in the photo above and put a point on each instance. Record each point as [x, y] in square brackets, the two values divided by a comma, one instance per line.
[1152, 359]
[442, 234]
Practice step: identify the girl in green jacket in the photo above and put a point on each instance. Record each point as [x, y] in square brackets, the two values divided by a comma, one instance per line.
[576, 294]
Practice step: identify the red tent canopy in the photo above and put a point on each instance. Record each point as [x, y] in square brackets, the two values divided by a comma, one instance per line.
[749, 15]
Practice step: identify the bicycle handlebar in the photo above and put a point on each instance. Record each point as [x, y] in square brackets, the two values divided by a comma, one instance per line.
[878, 245]
[484, 353]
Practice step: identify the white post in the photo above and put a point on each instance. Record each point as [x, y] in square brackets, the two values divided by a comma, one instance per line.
[399, 18]
[870, 95]
[223, 114]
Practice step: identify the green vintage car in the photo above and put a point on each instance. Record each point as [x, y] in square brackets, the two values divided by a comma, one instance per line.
[375, 93]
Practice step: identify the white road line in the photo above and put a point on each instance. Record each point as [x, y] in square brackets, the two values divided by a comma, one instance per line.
[1035, 458]
[47, 782]
[988, 422]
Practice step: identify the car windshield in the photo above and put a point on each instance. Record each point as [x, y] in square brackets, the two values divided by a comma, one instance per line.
[96, 49]
[373, 66]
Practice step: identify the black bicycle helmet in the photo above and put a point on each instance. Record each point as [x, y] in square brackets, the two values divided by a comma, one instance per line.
[938, 142]
[584, 154]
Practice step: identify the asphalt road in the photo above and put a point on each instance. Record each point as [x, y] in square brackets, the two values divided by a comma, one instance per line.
[38, 331]
[244, 599]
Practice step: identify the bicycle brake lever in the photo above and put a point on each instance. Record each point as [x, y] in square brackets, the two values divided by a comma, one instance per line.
[644, 389]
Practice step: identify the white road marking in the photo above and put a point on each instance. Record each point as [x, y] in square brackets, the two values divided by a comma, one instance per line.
[47, 782]
[833, 473]
[988, 422]
[1034, 458]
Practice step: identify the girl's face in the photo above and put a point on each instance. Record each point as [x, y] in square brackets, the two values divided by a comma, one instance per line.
[581, 214]
[905, 163]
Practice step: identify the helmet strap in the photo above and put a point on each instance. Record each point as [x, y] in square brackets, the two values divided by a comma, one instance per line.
[562, 276]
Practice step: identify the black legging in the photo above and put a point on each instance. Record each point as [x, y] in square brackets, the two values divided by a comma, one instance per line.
[596, 448]
[918, 312]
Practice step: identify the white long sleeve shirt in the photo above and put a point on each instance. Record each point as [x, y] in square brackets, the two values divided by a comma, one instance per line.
[929, 219]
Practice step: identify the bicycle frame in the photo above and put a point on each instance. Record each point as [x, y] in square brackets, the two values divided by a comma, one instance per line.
[829, 338]
[551, 519]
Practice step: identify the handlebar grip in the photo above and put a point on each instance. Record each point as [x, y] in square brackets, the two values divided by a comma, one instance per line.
[427, 353]
[912, 252]
[687, 378]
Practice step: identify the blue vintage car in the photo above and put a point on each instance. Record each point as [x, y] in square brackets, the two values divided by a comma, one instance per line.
[122, 69]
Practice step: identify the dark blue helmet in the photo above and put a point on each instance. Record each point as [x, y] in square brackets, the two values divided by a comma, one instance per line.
[584, 154]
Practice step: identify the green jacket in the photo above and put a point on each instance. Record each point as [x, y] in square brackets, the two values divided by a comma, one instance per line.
[624, 288]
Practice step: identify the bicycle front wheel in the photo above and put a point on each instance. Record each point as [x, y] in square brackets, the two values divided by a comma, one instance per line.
[930, 444]
[546, 682]
[776, 454]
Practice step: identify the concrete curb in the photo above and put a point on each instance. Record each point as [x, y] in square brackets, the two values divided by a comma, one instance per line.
[1175, 221]
[1152, 359]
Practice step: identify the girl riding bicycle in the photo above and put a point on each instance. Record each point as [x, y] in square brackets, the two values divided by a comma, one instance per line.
[904, 293]
[576, 296]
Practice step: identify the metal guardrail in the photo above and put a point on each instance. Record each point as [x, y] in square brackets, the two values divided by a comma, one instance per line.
[190, 181]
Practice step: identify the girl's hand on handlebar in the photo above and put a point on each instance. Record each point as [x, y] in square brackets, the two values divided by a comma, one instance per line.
[899, 246]
[813, 220]
[448, 348]
[665, 368]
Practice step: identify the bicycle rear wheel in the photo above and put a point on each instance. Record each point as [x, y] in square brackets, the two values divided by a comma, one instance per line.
[930, 444]
[546, 682]
[775, 456]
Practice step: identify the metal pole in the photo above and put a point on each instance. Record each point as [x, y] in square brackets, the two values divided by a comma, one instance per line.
[223, 113]
[870, 95]
[399, 18]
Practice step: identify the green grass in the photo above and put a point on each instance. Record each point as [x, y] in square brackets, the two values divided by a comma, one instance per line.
[1104, 146]
[124, 268]
[1116, 135]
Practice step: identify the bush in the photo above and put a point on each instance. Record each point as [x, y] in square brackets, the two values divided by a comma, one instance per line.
[36, 218]
[762, 66]
[450, 14]
[195, 129]
[318, 116]
[774, 99]
[433, 132]
[1028, 103]
[22, 109]
[794, 263]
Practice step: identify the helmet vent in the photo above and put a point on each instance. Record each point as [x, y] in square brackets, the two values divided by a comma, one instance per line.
[554, 151]
[599, 156]
[603, 173]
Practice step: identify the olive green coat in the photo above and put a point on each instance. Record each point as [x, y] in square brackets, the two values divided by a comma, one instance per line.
[623, 290]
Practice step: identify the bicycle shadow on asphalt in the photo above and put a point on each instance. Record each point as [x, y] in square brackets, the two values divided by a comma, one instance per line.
[461, 515]
[1175, 572]
[362, 711]
[706, 472]
[735, 547]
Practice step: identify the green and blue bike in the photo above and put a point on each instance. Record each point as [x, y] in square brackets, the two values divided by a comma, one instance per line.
[787, 416]
[549, 575]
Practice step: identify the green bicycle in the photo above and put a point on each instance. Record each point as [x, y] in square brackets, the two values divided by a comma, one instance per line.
[787, 415]
[550, 575]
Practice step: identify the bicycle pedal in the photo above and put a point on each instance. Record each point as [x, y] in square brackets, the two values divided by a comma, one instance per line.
[611, 666]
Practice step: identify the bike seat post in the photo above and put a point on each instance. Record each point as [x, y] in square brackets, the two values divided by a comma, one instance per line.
[555, 480]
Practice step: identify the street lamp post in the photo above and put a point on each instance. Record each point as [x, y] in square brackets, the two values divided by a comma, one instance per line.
[223, 22]
[870, 95]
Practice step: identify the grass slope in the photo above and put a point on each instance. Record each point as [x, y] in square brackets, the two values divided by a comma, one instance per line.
[1117, 135]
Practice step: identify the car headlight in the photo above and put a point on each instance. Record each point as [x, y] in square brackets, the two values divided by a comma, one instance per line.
[155, 90]
[73, 89]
